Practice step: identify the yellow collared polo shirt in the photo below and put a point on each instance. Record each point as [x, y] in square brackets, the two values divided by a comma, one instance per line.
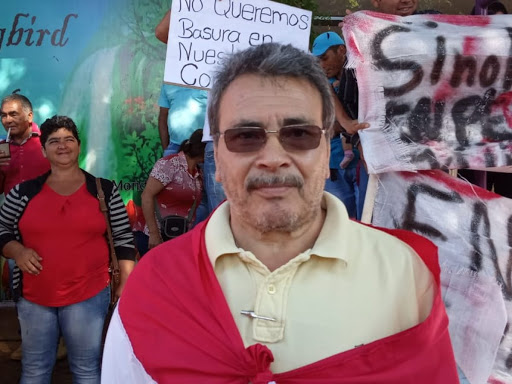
[354, 286]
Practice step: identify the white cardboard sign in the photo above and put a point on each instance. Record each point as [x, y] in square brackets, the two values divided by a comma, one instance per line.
[202, 32]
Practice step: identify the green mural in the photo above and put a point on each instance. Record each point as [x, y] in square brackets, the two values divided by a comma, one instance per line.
[99, 63]
[123, 67]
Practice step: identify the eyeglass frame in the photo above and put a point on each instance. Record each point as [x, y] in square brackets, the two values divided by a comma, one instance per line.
[323, 131]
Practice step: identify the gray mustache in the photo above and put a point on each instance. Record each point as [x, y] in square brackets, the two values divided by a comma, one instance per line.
[273, 181]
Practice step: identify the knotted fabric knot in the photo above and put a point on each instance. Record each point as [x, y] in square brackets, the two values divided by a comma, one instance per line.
[261, 356]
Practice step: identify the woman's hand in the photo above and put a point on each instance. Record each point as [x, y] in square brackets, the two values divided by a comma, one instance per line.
[154, 239]
[28, 261]
[125, 267]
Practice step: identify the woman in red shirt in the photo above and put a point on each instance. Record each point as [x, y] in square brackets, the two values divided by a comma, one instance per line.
[175, 181]
[53, 228]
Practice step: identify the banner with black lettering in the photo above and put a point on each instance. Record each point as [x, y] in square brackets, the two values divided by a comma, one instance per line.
[472, 229]
[436, 90]
[203, 31]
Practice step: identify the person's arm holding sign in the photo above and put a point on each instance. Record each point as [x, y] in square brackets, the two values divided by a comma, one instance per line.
[351, 126]
[162, 127]
[162, 29]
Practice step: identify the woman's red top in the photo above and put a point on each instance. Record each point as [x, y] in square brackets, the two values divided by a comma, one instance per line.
[68, 232]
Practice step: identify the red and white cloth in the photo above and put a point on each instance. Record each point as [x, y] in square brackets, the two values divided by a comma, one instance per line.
[173, 325]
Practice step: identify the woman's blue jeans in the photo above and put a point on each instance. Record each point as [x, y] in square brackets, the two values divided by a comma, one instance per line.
[81, 326]
[345, 188]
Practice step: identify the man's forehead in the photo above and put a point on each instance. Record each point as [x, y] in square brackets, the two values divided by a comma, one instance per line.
[11, 105]
[262, 101]
[250, 97]
[255, 84]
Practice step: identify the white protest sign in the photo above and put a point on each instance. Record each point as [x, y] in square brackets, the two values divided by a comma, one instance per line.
[472, 229]
[202, 32]
[436, 89]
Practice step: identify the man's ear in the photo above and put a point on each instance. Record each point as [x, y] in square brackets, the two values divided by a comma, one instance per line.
[44, 152]
[218, 178]
[326, 161]
[30, 116]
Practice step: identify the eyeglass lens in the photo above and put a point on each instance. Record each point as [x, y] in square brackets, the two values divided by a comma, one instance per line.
[293, 137]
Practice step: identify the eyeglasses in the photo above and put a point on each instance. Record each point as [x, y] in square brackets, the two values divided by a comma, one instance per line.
[291, 137]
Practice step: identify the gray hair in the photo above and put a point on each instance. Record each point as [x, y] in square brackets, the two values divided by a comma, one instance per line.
[23, 100]
[271, 60]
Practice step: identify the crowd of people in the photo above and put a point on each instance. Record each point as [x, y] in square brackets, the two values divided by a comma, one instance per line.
[246, 293]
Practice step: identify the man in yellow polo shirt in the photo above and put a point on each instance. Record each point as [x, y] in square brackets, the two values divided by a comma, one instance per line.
[279, 286]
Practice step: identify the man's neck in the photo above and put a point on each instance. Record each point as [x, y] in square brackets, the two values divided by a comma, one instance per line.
[275, 249]
[21, 138]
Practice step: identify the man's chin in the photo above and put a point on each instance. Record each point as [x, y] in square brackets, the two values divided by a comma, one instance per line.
[279, 219]
[266, 225]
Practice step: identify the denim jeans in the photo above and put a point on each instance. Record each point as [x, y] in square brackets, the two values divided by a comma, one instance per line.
[81, 326]
[141, 242]
[214, 190]
[345, 188]
[171, 149]
[363, 185]
[11, 263]
[462, 377]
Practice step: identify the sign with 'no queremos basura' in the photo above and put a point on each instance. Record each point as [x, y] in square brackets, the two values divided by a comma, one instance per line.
[203, 31]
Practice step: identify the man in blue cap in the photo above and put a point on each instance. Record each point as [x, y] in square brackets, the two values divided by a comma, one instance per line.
[330, 49]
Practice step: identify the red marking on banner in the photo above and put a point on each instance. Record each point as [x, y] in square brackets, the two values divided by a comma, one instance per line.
[461, 20]
[495, 381]
[365, 25]
[469, 47]
[443, 92]
[453, 183]
[353, 49]
[504, 102]
[384, 16]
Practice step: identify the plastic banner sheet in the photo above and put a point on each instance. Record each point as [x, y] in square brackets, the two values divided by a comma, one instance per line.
[436, 90]
[472, 228]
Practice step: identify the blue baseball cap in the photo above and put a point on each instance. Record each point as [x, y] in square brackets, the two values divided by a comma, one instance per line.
[325, 41]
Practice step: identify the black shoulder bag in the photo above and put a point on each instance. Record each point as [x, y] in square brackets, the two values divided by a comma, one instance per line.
[174, 225]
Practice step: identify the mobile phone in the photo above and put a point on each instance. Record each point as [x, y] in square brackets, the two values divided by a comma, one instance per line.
[4, 147]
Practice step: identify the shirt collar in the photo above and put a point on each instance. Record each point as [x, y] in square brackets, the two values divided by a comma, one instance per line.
[31, 135]
[220, 240]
